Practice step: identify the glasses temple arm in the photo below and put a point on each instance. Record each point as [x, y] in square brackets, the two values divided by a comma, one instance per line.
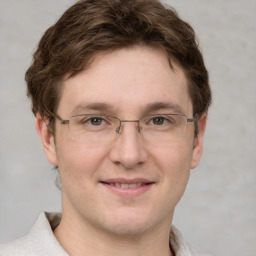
[60, 119]
[192, 119]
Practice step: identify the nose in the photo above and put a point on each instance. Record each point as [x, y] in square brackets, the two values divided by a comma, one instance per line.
[128, 150]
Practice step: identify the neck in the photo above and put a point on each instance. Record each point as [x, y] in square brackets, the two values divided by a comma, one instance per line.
[85, 239]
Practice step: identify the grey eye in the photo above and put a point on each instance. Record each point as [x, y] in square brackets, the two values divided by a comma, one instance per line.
[96, 121]
[158, 120]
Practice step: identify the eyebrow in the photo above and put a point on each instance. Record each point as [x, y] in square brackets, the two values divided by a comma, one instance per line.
[166, 106]
[105, 107]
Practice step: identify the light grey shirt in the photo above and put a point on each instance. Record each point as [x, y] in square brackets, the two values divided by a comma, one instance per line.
[41, 241]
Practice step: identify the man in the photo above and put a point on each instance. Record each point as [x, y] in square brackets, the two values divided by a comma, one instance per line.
[120, 93]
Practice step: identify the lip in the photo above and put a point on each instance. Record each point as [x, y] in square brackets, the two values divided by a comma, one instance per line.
[139, 186]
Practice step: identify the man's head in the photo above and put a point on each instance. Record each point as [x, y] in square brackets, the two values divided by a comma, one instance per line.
[91, 27]
[106, 61]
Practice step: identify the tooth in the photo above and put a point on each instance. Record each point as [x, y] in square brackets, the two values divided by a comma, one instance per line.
[135, 185]
[125, 185]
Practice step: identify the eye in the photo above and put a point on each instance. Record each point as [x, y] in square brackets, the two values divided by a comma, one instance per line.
[91, 121]
[95, 121]
[159, 120]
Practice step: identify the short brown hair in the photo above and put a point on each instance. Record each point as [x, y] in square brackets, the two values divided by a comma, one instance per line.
[91, 26]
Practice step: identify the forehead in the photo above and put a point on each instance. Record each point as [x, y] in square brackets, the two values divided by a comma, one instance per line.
[126, 80]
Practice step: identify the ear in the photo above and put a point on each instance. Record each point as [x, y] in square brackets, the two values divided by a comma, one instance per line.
[47, 139]
[198, 142]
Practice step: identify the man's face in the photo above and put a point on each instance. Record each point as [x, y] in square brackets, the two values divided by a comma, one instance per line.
[124, 83]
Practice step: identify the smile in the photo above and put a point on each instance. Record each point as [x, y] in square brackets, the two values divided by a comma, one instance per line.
[125, 185]
[128, 188]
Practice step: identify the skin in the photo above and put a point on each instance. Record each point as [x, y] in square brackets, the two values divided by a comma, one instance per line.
[97, 220]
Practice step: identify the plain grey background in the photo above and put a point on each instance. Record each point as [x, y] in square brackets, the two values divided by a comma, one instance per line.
[218, 211]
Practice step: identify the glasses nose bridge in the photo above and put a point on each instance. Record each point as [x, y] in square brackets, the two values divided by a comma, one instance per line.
[119, 128]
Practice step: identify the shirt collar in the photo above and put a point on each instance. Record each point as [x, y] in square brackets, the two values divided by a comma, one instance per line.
[42, 233]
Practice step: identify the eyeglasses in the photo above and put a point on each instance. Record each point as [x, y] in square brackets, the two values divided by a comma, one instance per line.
[103, 128]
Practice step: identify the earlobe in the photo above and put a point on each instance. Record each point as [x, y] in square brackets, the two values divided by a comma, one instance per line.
[47, 139]
[198, 142]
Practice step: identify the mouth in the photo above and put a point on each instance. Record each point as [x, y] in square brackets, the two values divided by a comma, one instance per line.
[125, 185]
[128, 188]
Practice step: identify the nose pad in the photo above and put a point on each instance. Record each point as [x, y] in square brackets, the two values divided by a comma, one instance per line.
[139, 128]
[120, 127]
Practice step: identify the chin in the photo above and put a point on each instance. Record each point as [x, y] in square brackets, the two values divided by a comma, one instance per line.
[129, 224]
[129, 230]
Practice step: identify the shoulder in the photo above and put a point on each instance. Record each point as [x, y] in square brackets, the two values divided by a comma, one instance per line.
[180, 246]
[40, 241]
[17, 247]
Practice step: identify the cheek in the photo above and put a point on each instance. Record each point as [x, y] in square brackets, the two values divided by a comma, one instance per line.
[175, 156]
[173, 162]
[180, 171]
[77, 160]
